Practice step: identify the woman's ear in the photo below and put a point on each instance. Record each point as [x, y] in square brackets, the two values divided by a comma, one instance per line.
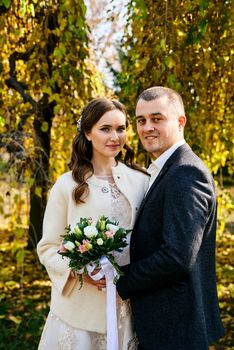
[87, 137]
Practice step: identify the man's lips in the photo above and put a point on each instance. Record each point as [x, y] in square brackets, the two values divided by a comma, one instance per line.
[150, 137]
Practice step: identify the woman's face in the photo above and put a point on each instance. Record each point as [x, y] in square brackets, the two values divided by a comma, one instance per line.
[108, 135]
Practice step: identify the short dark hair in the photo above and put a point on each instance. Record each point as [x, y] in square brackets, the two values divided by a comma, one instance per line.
[154, 92]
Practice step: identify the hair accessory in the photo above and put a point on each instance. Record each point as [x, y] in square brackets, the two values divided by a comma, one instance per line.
[79, 124]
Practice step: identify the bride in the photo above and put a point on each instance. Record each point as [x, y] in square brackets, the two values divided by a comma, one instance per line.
[103, 181]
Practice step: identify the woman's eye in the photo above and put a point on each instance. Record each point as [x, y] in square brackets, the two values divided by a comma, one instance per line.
[105, 129]
[121, 129]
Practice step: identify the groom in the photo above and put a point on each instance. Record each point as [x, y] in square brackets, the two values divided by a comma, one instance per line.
[171, 278]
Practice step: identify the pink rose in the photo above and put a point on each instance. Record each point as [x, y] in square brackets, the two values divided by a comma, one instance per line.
[85, 241]
[109, 234]
[82, 248]
[62, 249]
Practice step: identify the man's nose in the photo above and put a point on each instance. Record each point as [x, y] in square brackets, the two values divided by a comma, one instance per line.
[148, 126]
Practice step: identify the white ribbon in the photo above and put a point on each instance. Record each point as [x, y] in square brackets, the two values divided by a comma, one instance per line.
[110, 273]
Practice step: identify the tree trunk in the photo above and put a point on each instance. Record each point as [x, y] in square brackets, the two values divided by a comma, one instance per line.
[38, 192]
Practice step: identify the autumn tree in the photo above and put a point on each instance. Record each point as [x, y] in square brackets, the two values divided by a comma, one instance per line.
[187, 46]
[46, 77]
[106, 20]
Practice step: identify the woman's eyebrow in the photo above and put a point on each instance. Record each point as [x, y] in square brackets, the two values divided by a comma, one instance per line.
[108, 125]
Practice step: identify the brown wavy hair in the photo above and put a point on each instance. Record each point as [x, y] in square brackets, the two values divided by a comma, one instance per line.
[81, 156]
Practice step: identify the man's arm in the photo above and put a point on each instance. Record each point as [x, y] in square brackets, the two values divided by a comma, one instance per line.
[189, 199]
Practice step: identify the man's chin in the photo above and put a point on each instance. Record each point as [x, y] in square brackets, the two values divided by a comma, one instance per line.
[151, 149]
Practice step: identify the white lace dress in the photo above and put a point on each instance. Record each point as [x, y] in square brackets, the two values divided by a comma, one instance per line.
[58, 335]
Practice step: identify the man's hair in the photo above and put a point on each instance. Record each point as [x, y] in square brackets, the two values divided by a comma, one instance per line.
[174, 98]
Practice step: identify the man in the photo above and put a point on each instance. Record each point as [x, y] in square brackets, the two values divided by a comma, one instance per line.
[171, 278]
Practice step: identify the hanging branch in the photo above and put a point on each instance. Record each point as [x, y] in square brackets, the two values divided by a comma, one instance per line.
[12, 82]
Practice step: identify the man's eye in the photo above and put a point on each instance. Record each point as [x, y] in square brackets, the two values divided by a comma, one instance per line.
[140, 121]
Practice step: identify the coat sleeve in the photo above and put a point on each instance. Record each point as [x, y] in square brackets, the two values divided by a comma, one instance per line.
[54, 223]
[188, 202]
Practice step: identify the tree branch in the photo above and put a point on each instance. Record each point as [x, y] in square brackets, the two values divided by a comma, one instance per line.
[13, 83]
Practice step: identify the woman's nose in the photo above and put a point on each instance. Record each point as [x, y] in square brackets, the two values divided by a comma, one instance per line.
[114, 136]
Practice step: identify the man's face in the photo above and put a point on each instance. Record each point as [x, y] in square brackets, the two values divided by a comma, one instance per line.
[158, 126]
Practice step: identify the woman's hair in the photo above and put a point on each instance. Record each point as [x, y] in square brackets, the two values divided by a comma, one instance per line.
[80, 164]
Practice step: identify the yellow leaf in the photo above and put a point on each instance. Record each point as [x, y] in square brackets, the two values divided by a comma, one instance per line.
[15, 319]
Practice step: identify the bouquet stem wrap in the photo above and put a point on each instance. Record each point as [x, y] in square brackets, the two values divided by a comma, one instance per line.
[110, 273]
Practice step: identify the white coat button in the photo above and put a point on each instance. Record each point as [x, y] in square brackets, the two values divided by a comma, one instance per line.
[105, 190]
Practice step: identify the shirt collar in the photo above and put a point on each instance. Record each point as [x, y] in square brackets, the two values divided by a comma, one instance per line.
[161, 160]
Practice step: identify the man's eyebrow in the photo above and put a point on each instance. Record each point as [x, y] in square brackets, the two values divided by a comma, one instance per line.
[154, 114]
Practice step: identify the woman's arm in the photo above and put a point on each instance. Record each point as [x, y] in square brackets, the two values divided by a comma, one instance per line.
[54, 223]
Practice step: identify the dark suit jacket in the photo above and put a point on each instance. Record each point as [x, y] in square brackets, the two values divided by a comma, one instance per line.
[171, 280]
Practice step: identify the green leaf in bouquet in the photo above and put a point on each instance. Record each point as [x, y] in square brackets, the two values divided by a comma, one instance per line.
[80, 276]
[109, 243]
[108, 221]
[114, 263]
[83, 223]
[68, 229]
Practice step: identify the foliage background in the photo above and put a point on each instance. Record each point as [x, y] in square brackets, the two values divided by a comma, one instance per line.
[187, 46]
[48, 71]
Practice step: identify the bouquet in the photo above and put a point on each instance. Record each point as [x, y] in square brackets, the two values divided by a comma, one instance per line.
[88, 242]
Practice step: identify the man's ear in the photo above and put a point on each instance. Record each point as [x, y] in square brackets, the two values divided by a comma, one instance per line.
[182, 121]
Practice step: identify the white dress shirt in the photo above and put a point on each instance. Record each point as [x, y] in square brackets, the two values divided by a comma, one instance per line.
[156, 166]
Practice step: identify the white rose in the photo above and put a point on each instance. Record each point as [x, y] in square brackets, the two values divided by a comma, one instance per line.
[90, 231]
[100, 241]
[112, 228]
[69, 245]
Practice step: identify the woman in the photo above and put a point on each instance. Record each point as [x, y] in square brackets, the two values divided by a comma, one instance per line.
[103, 181]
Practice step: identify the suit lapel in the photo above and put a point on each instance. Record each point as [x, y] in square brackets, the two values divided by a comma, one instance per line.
[153, 186]
[172, 160]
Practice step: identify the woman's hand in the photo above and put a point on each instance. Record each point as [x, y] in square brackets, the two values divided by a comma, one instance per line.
[73, 274]
[100, 284]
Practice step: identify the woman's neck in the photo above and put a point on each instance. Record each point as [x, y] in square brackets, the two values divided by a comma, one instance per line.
[103, 169]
